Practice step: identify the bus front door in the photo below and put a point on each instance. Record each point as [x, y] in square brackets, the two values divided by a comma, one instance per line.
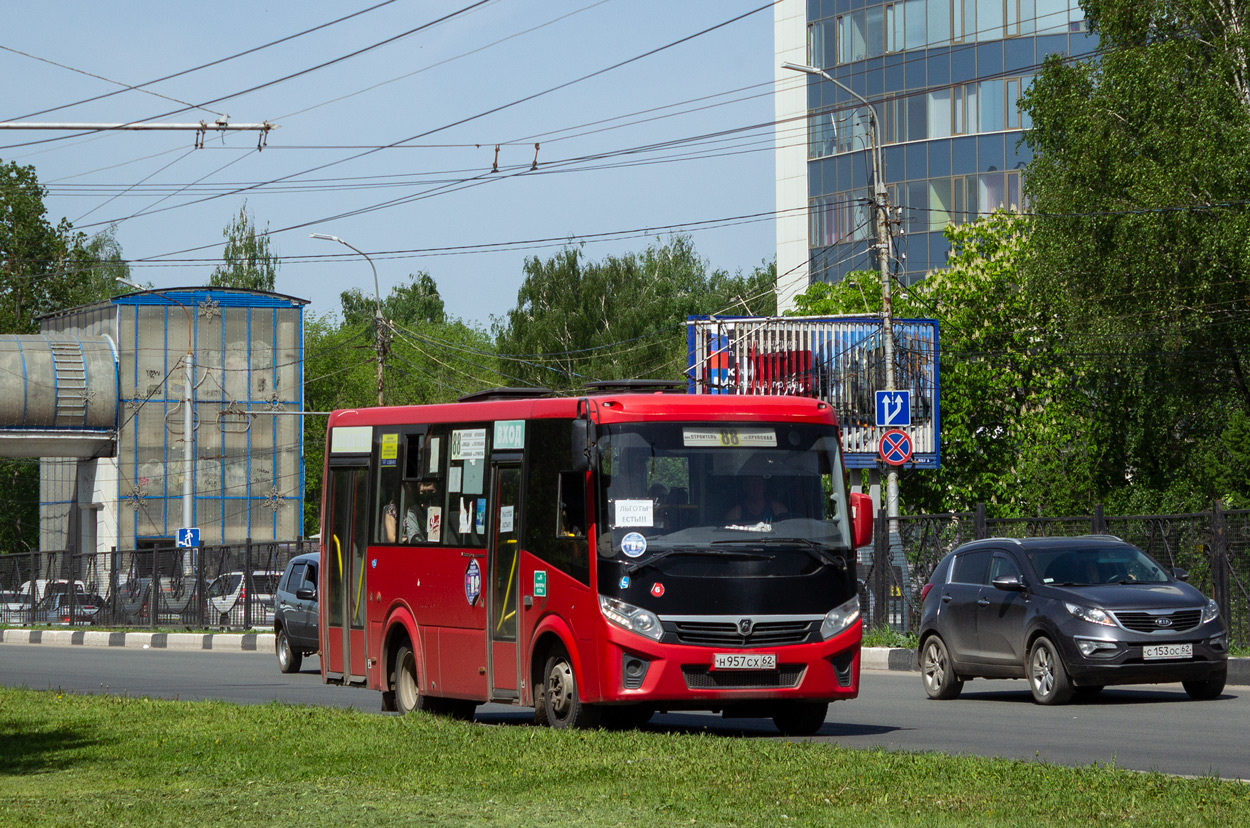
[505, 553]
[344, 573]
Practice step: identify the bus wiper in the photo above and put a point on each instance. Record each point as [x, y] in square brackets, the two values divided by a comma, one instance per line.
[684, 550]
[817, 550]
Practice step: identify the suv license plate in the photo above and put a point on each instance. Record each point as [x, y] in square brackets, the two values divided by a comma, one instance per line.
[1154, 652]
[747, 661]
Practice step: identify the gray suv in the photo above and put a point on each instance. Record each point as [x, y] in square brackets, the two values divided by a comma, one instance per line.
[1071, 615]
[295, 612]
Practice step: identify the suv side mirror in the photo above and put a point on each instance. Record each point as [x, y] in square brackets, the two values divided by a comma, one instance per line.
[306, 594]
[1180, 574]
[1009, 583]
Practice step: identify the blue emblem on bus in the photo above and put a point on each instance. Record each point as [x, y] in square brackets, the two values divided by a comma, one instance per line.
[624, 582]
[633, 544]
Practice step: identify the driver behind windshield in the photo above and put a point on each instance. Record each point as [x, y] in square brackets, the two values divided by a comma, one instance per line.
[756, 505]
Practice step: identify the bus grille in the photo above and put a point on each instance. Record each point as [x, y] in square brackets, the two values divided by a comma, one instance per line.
[702, 678]
[724, 634]
[1145, 622]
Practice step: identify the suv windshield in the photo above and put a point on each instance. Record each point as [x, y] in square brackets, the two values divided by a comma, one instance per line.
[1096, 565]
[666, 486]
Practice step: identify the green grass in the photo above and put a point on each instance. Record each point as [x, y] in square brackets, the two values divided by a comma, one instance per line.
[70, 760]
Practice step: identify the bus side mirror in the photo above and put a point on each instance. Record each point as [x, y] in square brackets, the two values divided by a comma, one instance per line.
[861, 519]
[582, 453]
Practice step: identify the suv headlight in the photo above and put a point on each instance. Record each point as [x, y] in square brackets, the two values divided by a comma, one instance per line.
[1091, 614]
[1211, 611]
[632, 618]
[840, 618]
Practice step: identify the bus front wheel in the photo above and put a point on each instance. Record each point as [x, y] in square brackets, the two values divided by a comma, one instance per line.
[560, 706]
[404, 686]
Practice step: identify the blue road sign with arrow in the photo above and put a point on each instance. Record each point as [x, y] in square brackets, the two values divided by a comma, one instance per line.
[893, 408]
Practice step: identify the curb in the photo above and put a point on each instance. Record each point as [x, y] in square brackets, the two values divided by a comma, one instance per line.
[894, 658]
[220, 642]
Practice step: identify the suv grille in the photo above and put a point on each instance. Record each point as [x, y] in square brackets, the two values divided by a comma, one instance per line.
[725, 634]
[1147, 622]
[701, 678]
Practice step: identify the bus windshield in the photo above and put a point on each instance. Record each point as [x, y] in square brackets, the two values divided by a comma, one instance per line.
[714, 486]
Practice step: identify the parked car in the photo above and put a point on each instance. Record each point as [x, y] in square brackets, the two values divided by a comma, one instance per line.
[228, 597]
[295, 613]
[60, 608]
[1072, 615]
[14, 607]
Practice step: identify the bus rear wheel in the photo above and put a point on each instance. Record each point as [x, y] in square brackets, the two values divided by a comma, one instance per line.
[560, 706]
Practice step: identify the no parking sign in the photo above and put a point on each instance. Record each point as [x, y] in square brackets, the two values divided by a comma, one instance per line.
[895, 447]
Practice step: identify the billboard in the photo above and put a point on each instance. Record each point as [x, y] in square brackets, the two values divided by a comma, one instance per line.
[839, 360]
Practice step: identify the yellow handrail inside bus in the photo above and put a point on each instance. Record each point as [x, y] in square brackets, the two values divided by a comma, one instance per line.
[508, 591]
[360, 583]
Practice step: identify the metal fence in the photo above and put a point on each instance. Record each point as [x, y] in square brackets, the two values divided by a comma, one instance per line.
[1212, 546]
[214, 587]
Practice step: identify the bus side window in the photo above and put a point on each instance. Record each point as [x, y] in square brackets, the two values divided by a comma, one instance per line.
[571, 520]
[386, 514]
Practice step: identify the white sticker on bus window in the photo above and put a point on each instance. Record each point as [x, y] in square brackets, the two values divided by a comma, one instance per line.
[728, 437]
[434, 444]
[635, 513]
[505, 518]
[465, 525]
[434, 524]
[474, 476]
[351, 439]
[453, 479]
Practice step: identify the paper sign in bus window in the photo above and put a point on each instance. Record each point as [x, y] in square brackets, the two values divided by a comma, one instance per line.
[635, 513]
[434, 524]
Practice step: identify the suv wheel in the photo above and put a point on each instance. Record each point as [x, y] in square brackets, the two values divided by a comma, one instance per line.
[937, 672]
[1206, 689]
[289, 659]
[1048, 678]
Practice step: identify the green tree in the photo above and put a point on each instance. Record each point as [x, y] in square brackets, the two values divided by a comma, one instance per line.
[1142, 246]
[1010, 435]
[248, 261]
[622, 317]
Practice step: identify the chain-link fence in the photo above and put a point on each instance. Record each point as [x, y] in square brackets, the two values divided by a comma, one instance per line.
[214, 587]
[1212, 546]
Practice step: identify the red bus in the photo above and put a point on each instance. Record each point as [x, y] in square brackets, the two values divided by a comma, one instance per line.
[597, 558]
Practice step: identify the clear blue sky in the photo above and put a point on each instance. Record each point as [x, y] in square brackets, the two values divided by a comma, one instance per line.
[501, 52]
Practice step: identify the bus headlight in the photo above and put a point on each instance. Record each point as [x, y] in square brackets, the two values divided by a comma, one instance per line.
[840, 618]
[632, 618]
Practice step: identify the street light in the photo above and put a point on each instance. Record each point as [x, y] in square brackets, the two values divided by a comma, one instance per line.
[188, 420]
[377, 298]
[880, 205]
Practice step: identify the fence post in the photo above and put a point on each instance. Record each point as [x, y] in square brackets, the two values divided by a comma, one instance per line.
[879, 589]
[979, 529]
[201, 588]
[1099, 520]
[1219, 561]
[249, 586]
[114, 586]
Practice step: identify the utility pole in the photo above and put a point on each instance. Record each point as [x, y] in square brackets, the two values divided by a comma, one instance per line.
[881, 209]
[379, 341]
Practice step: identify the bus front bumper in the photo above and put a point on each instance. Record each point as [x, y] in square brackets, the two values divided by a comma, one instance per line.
[638, 670]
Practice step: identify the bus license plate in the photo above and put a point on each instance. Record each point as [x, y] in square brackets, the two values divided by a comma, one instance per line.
[1155, 652]
[744, 661]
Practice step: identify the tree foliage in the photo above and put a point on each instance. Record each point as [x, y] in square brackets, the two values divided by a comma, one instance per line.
[620, 318]
[248, 261]
[1142, 246]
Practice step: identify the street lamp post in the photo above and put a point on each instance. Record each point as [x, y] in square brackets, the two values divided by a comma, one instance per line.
[188, 414]
[378, 343]
[881, 209]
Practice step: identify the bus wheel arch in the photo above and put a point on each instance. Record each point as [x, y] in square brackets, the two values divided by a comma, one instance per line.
[398, 639]
[558, 700]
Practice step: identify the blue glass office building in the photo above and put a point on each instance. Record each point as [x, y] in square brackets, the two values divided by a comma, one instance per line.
[945, 77]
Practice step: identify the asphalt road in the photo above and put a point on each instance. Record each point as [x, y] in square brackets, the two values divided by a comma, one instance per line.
[1142, 728]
